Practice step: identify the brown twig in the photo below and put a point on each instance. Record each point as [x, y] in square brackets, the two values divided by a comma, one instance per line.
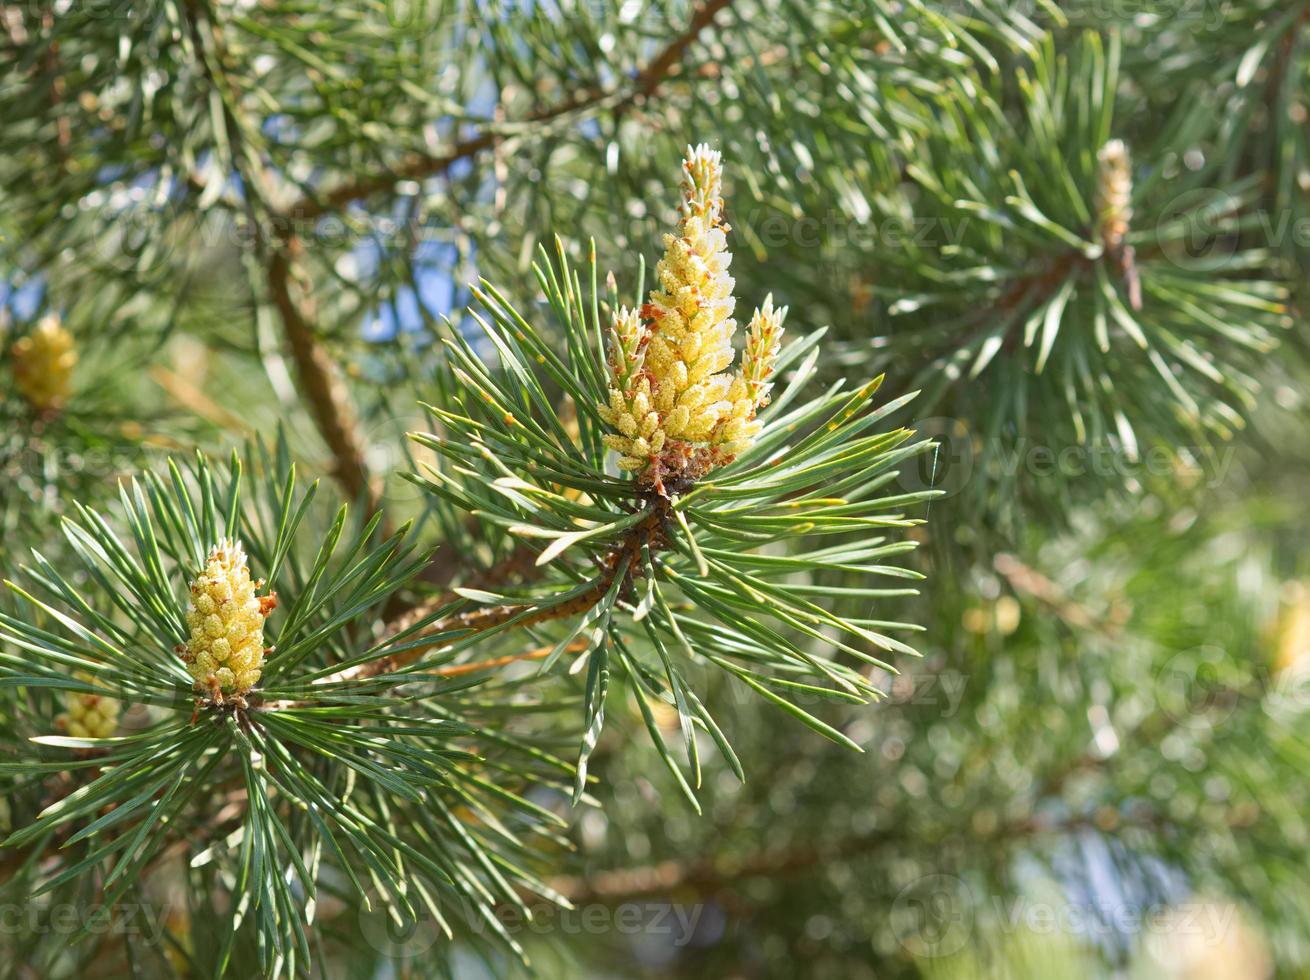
[191, 397]
[622, 560]
[465, 624]
[401, 614]
[1027, 580]
[536, 653]
[324, 390]
[710, 876]
[58, 89]
[667, 61]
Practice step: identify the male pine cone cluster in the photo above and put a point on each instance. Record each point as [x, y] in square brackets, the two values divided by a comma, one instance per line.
[225, 654]
[678, 413]
[1114, 211]
[1114, 193]
[89, 715]
[43, 365]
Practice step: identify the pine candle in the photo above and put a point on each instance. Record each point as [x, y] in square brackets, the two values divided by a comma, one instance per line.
[226, 650]
[678, 413]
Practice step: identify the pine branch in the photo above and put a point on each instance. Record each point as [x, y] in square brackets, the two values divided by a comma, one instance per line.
[419, 167]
